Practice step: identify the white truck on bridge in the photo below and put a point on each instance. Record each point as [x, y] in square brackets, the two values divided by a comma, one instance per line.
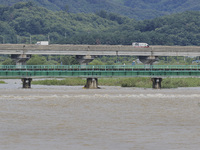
[42, 43]
[136, 44]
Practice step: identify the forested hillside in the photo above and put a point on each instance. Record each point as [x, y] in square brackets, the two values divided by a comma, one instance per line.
[138, 9]
[28, 23]
[24, 20]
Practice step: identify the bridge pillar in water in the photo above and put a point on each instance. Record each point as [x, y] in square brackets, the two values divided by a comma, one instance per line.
[91, 83]
[156, 83]
[26, 82]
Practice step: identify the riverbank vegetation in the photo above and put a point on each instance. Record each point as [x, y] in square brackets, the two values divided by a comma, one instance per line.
[141, 82]
[2, 82]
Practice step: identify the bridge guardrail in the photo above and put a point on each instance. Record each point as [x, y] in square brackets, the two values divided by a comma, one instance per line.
[99, 70]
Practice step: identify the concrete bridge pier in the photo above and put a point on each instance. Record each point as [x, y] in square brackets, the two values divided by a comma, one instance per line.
[26, 82]
[20, 59]
[84, 60]
[156, 83]
[148, 59]
[91, 83]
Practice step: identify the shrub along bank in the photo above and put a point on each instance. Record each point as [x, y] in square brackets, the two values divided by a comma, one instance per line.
[2, 82]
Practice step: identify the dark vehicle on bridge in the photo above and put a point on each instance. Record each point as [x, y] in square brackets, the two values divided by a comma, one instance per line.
[136, 44]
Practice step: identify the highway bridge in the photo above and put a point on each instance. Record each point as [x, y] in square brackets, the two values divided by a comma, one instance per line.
[84, 50]
[156, 72]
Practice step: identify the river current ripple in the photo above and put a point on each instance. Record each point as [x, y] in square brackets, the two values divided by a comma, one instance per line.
[110, 118]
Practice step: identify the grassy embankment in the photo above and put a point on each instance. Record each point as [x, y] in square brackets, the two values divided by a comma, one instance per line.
[143, 82]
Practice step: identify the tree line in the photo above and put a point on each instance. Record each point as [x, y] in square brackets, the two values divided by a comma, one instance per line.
[138, 9]
[101, 60]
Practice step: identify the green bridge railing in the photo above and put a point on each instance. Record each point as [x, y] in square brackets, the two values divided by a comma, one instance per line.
[99, 70]
[100, 67]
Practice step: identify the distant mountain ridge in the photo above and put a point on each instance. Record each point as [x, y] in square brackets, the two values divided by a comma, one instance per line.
[28, 23]
[138, 9]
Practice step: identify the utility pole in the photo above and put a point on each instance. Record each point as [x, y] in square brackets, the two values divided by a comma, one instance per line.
[48, 39]
[3, 40]
[30, 39]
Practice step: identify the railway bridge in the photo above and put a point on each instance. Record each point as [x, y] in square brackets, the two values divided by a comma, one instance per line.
[93, 72]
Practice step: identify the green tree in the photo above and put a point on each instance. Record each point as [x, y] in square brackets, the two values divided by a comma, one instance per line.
[9, 61]
[66, 9]
[96, 62]
[37, 60]
[69, 60]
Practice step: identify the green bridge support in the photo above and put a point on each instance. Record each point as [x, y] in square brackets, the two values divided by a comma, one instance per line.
[26, 82]
[91, 83]
[156, 83]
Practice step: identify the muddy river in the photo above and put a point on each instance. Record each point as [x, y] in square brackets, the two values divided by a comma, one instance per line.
[110, 118]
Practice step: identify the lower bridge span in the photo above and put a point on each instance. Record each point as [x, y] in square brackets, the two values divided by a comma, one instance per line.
[92, 72]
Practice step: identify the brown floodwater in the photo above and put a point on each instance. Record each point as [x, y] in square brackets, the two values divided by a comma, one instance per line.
[110, 118]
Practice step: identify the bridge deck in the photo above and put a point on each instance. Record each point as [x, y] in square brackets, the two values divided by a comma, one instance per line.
[34, 71]
[128, 50]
